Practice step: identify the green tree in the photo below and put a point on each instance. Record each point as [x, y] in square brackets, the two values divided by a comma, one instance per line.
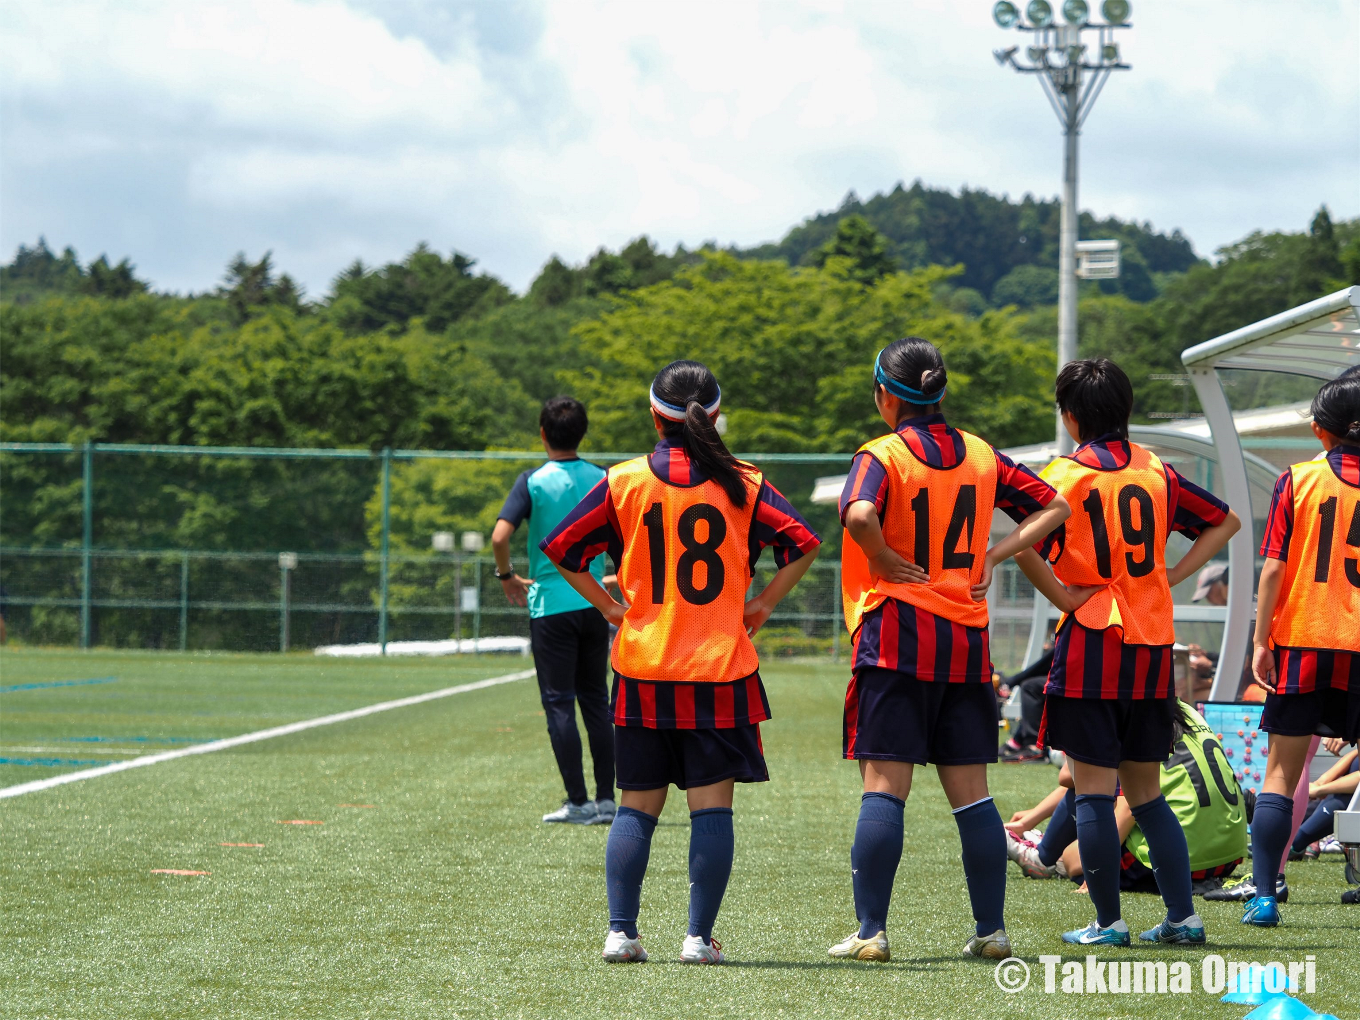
[864, 247]
[424, 285]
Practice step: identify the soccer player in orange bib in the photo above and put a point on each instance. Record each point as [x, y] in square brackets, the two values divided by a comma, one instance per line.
[1110, 703]
[917, 508]
[685, 525]
[1307, 641]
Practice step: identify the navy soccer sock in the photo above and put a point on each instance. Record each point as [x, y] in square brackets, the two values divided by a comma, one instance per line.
[1061, 832]
[984, 862]
[1271, 827]
[1169, 854]
[625, 865]
[1098, 841]
[874, 858]
[711, 844]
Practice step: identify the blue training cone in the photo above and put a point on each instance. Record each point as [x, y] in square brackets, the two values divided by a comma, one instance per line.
[1282, 1007]
[1251, 998]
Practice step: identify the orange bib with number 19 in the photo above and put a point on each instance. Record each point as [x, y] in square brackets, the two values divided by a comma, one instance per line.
[1116, 538]
[685, 572]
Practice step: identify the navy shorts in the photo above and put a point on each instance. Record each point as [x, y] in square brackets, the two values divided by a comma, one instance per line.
[648, 759]
[1327, 713]
[1106, 731]
[892, 716]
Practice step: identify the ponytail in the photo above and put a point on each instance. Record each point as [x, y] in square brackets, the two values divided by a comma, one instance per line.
[685, 396]
[1336, 408]
[912, 370]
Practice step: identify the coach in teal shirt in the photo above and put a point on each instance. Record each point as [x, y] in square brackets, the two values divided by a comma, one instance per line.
[569, 637]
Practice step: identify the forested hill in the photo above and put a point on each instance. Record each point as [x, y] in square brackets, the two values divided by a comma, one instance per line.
[991, 237]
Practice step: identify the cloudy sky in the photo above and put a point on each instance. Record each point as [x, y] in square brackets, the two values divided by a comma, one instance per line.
[179, 133]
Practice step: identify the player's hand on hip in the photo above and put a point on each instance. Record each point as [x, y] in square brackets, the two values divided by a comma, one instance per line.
[1263, 669]
[516, 589]
[979, 590]
[897, 569]
[1078, 595]
[754, 616]
[615, 612]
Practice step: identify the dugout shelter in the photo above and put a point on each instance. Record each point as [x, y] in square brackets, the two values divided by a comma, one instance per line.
[1313, 342]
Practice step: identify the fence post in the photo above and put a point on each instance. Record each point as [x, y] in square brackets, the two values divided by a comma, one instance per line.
[477, 612]
[837, 624]
[288, 561]
[383, 555]
[86, 540]
[184, 600]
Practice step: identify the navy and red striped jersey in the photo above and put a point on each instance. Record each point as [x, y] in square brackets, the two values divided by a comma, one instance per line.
[1301, 670]
[593, 528]
[903, 637]
[1089, 663]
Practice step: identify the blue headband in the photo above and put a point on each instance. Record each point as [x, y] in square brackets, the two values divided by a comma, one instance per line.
[674, 412]
[901, 390]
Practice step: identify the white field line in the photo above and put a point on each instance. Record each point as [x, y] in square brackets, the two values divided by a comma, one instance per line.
[250, 738]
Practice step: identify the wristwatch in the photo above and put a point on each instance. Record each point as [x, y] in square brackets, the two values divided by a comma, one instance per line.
[507, 575]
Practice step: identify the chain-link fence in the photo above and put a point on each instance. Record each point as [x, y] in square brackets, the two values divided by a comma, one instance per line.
[251, 549]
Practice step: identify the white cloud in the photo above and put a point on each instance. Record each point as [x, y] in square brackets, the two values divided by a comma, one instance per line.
[180, 133]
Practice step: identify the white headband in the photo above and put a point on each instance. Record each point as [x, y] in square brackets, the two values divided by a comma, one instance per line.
[673, 412]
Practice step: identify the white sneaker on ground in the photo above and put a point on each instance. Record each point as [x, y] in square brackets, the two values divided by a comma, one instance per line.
[619, 948]
[853, 947]
[606, 810]
[1013, 845]
[995, 946]
[574, 814]
[696, 950]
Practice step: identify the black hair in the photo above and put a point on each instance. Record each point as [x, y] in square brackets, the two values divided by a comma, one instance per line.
[563, 421]
[916, 363]
[690, 385]
[1336, 407]
[1098, 396]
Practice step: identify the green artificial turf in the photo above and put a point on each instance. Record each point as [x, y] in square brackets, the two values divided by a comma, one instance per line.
[448, 897]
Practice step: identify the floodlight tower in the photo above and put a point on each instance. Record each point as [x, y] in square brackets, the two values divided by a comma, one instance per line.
[1072, 82]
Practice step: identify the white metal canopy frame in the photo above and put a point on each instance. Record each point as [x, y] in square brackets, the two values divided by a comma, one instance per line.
[1320, 339]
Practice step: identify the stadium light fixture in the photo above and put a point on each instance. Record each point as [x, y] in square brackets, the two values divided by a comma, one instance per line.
[1039, 13]
[1072, 81]
[1116, 12]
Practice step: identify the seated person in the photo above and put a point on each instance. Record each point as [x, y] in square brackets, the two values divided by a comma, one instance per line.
[1332, 790]
[1025, 733]
[1200, 788]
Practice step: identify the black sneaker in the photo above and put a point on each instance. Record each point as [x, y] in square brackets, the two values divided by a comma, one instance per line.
[1245, 890]
[1351, 896]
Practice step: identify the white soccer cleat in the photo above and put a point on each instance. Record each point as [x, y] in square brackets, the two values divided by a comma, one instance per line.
[575, 814]
[696, 950]
[995, 946]
[853, 947]
[619, 948]
[605, 811]
[1028, 859]
[1013, 845]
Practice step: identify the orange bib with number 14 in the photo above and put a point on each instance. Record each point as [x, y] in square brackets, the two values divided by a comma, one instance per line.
[685, 572]
[939, 519]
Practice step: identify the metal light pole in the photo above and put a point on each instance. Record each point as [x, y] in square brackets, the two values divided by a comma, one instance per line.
[1072, 83]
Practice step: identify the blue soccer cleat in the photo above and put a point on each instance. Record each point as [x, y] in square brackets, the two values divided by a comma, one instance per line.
[1262, 911]
[1093, 934]
[1189, 932]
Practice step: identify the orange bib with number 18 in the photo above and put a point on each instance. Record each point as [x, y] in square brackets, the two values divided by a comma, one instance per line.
[685, 572]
